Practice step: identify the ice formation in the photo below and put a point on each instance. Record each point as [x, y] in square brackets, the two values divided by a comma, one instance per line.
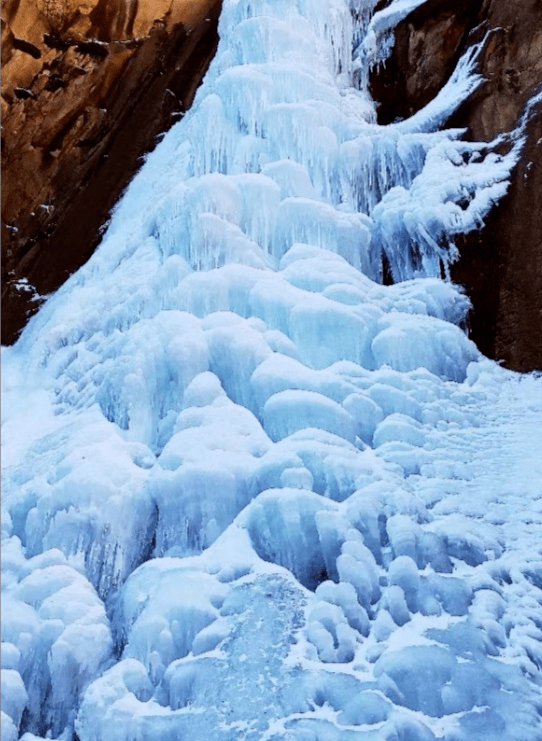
[250, 492]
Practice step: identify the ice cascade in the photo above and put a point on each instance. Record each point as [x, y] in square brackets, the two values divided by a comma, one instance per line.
[250, 492]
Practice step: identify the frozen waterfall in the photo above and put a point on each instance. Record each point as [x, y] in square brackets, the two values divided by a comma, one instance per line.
[250, 493]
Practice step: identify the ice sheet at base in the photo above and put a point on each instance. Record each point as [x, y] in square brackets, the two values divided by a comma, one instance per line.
[250, 492]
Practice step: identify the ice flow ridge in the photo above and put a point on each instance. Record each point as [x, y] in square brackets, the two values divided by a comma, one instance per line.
[249, 491]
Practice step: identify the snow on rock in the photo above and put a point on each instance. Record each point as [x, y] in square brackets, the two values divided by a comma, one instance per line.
[250, 491]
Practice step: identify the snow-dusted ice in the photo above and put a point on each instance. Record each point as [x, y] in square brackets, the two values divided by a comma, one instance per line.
[249, 491]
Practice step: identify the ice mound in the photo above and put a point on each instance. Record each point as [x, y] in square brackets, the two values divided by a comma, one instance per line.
[56, 638]
[251, 492]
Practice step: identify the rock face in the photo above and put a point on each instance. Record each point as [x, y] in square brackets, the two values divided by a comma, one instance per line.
[87, 87]
[501, 265]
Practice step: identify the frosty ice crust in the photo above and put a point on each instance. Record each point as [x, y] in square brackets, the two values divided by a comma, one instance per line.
[247, 484]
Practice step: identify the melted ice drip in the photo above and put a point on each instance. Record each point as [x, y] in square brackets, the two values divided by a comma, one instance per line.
[246, 485]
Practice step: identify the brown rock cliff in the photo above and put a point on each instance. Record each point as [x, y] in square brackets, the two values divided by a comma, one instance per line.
[87, 87]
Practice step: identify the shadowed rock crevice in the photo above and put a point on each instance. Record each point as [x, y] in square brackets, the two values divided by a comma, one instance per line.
[500, 265]
[77, 119]
[428, 45]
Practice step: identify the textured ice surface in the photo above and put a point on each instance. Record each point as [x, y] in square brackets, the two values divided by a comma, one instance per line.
[250, 492]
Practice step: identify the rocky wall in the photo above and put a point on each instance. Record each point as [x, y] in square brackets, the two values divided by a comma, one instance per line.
[88, 85]
[500, 265]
